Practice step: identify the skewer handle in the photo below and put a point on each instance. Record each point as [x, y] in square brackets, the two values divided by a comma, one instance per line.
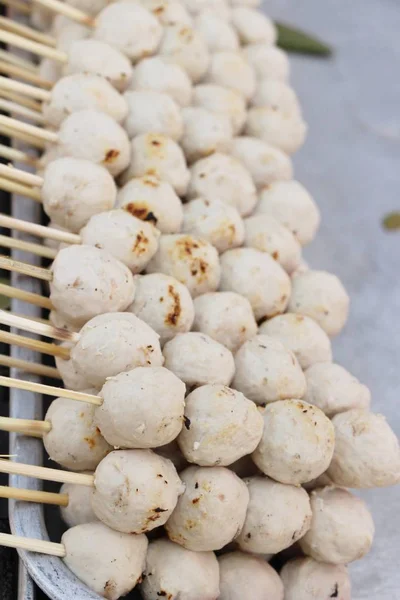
[32, 344]
[13, 108]
[17, 60]
[49, 390]
[38, 230]
[26, 426]
[16, 244]
[15, 27]
[24, 137]
[29, 297]
[32, 545]
[17, 155]
[32, 130]
[25, 89]
[15, 468]
[69, 11]
[25, 268]
[7, 318]
[33, 496]
[31, 46]
[21, 176]
[23, 73]
[28, 367]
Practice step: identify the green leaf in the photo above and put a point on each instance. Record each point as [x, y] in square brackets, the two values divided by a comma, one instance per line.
[392, 221]
[4, 301]
[295, 40]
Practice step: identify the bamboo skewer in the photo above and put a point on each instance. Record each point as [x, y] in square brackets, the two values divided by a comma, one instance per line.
[12, 133]
[17, 188]
[50, 390]
[31, 298]
[32, 344]
[22, 7]
[31, 46]
[36, 496]
[21, 176]
[27, 426]
[17, 155]
[32, 545]
[17, 60]
[69, 11]
[12, 320]
[31, 130]
[38, 230]
[28, 367]
[28, 32]
[21, 72]
[14, 468]
[25, 89]
[22, 100]
[16, 244]
[14, 108]
[25, 268]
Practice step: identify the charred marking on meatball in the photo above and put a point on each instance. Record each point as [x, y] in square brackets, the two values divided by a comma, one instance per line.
[111, 156]
[172, 317]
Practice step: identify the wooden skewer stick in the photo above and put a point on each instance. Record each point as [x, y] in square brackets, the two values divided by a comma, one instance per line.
[34, 47]
[22, 7]
[13, 59]
[21, 72]
[36, 299]
[28, 367]
[25, 268]
[28, 32]
[32, 344]
[11, 320]
[28, 426]
[69, 11]
[36, 496]
[17, 155]
[31, 130]
[38, 230]
[21, 176]
[14, 468]
[16, 109]
[32, 545]
[22, 100]
[24, 88]
[50, 390]
[12, 133]
[16, 244]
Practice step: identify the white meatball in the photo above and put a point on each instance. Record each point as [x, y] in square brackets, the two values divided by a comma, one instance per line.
[184, 46]
[335, 390]
[95, 136]
[218, 7]
[153, 200]
[190, 259]
[129, 28]
[277, 516]
[249, 3]
[130, 240]
[276, 94]
[175, 572]
[226, 317]
[291, 204]
[268, 62]
[342, 529]
[50, 70]
[321, 296]
[265, 163]
[223, 101]
[150, 111]
[198, 360]
[79, 509]
[367, 452]
[303, 336]
[74, 441]
[253, 27]
[98, 58]
[74, 190]
[244, 577]
[265, 233]
[113, 343]
[163, 303]
[108, 562]
[88, 282]
[204, 133]
[67, 32]
[142, 408]
[159, 76]
[83, 91]
[266, 371]
[231, 70]
[218, 34]
[283, 130]
[211, 511]
[92, 7]
[223, 177]
[298, 442]
[215, 222]
[221, 426]
[61, 323]
[168, 12]
[71, 377]
[257, 277]
[158, 156]
[135, 490]
[307, 579]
